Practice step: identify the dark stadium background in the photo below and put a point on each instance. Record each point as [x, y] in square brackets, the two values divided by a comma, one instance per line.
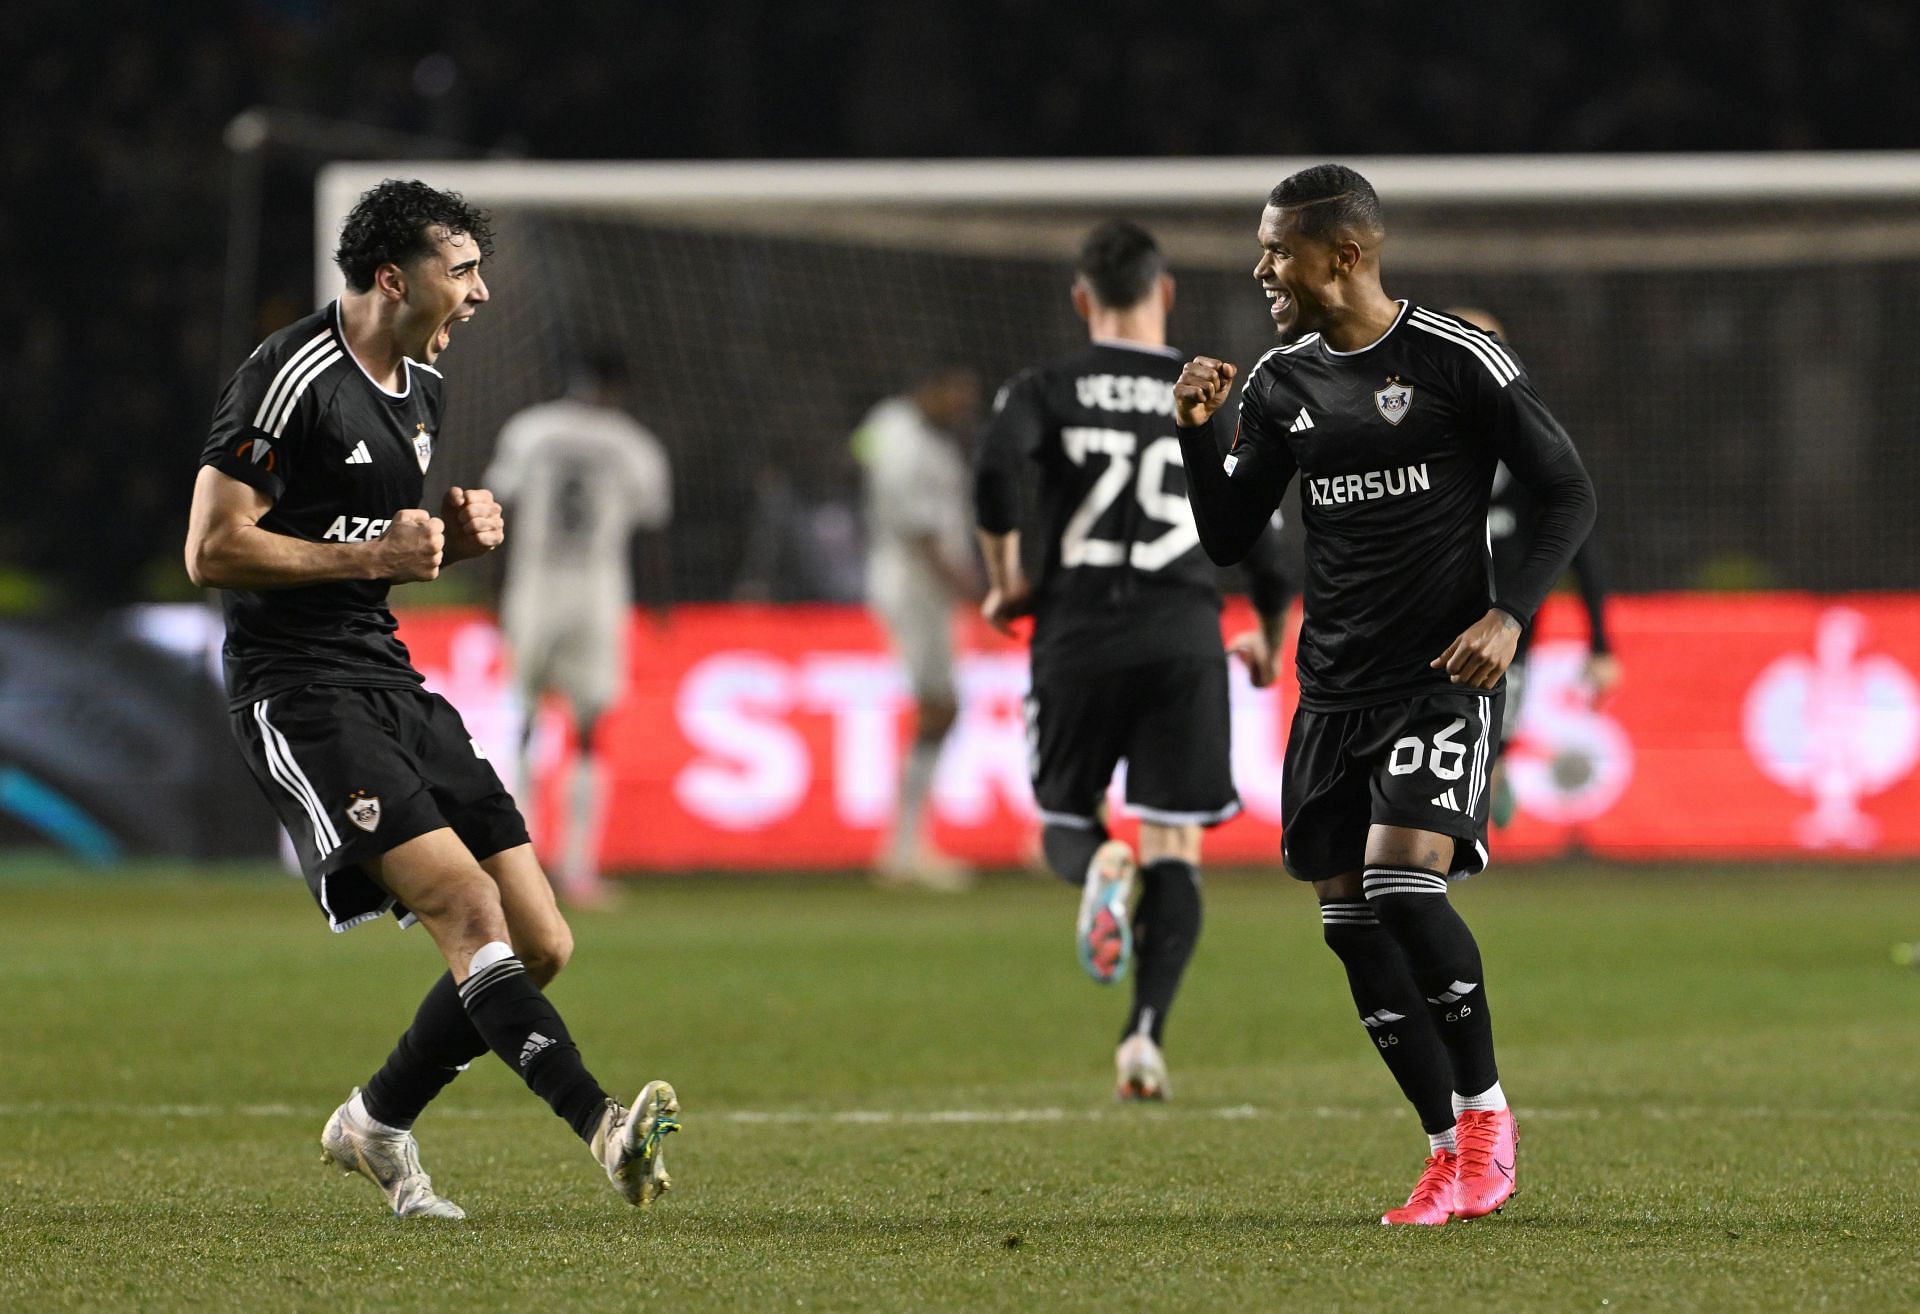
[118, 186]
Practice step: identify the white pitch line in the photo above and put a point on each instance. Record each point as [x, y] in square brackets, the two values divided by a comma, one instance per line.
[971, 1117]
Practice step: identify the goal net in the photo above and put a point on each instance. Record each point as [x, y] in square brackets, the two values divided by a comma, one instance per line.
[1729, 339]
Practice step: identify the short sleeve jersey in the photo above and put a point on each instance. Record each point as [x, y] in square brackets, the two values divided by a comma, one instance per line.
[340, 456]
[1395, 445]
[579, 479]
[1121, 580]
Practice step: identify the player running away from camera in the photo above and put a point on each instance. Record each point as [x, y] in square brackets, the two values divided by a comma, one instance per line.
[1126, 650]
[1393, 416]
[919, 567]
[306, 510]
[581, 477]
[1510, 528]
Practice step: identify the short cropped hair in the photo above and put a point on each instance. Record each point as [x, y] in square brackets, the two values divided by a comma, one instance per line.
[389, 223]
[1332, 200]
[1120, 262]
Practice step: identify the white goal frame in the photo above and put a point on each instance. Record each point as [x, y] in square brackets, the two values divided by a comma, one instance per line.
[1600, 180]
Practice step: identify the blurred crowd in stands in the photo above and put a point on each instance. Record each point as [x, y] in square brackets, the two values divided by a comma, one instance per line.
[117, 178]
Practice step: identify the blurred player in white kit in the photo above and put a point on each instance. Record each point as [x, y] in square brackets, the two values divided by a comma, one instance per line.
[581, 476]
[919, 490]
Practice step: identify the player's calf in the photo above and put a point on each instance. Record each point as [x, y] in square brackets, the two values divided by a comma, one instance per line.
[1444, 962]
[1391, 1010]
[1069, 847]
[1166, 930]
[525, 1030]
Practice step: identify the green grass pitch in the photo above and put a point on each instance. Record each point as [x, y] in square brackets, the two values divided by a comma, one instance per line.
[899, 1102]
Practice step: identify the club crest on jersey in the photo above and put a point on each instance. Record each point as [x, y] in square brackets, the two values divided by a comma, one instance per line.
[1393, 401]
[363, 810]
[422, 446]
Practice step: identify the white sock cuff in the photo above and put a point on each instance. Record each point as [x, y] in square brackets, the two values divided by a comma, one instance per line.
[1492, 1099]
[1438, 1141]
[357, 1110]
[493, 951]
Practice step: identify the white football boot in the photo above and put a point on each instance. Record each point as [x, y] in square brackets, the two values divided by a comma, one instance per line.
[354, 1143]
[1141, 1070]
[628, 1142]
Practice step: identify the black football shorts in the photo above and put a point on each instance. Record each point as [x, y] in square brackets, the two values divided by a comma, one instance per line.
[1421, 763]
[353, 772]
[1168, 719]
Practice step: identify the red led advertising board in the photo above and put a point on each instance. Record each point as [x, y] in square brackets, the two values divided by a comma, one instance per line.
[771, 737]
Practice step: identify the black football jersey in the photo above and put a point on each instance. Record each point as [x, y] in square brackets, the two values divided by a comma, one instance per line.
[1120, 578]
[1395, 445]
[340, 456]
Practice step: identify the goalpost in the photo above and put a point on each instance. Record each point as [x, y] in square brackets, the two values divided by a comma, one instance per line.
[1728, 337]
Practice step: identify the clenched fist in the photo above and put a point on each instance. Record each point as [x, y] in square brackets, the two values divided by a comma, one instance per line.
[411, 548]
[475, 524]
[1482, 653]
[1202, 390]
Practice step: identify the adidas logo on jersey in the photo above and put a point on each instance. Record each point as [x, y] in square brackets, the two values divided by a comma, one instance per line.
[1447, 800]
[360, 455]
[1304, 421]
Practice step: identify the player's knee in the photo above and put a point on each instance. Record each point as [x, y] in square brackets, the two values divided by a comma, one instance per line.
[467, 907]
[1178, 843]
[937, 713]
[1403, 897]
[547, 953]
[1349, 926]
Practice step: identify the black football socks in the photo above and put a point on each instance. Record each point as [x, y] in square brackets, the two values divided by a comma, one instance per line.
[1070, 849]
[431, 1052]
[1166, 927]
[1392, 1009]
[526, 1032]
[1445, 964]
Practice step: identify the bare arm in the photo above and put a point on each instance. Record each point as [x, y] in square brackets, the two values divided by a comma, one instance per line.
[227, 549]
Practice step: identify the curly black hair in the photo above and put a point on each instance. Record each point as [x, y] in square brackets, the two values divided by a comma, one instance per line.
[389, 223]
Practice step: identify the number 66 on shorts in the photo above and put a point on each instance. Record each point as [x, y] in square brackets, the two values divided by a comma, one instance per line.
[1421, 762]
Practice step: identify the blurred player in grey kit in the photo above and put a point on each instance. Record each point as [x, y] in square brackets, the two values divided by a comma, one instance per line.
[581, 476]
[919, 567]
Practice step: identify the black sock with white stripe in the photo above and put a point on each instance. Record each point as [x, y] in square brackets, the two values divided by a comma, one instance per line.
[1392, 1009]
[1070, 848]
[431, 1053]
[1444, 959]
[526, 1032]
[1166, 927]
